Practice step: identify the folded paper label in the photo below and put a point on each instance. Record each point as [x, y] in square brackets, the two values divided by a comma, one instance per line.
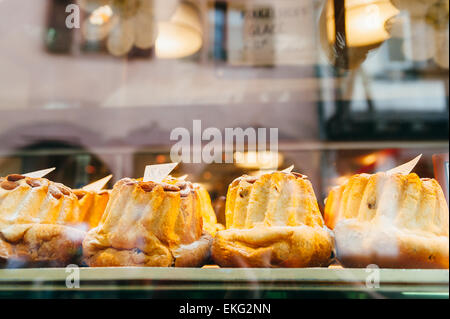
[288, 170]
[263, 172]
[406, 168]
[156, 173]
[39, 174]
[98, 185]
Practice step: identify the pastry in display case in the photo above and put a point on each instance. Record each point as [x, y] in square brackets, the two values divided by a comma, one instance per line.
[92, 205]
[149, 224]
[38, 220]
[209, 219]
[391, 220]
[273, 221]
[210, 224]
[165, 126]
[92, 201]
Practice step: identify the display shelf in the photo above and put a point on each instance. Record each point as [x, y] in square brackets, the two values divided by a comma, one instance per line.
[224, 282]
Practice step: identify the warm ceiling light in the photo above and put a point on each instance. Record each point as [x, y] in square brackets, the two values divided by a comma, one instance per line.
[258, 160]
[365, 21]
[181, 36]
[368, 160]
[365, 26]
[101, 15]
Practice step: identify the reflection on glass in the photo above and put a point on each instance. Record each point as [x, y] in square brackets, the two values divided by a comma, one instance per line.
[182, 35]
[350, 29]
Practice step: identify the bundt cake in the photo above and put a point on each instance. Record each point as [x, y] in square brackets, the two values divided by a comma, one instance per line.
[92, 205]
[149, 224]
[35, 215]
[210, 224]
[391, 220]
[272, 221]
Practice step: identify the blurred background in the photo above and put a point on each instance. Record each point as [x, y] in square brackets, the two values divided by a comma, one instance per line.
[353, 86]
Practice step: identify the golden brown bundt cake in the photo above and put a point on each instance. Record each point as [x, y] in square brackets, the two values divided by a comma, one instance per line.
[92, 206]
[149, 224]
[391, 220]
[35, 215]
[272, 221]
[210, 224]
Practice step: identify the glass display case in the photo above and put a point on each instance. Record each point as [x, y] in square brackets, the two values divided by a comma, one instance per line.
[334, 90]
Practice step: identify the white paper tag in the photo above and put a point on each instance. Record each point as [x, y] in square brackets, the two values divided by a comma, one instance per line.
[39, 174]
[263, 172]
[288, 170]
[406, 168]
[156, 173]
[98, 185]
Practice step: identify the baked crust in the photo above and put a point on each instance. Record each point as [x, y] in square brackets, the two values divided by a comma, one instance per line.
[25, 200]
[277, 246]
[43, 244]
[210, 224]
[35, 219]
[92, 205]
[360, 244]
[149, 224]
[393, 221]
[153, 253]
[272, 221]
